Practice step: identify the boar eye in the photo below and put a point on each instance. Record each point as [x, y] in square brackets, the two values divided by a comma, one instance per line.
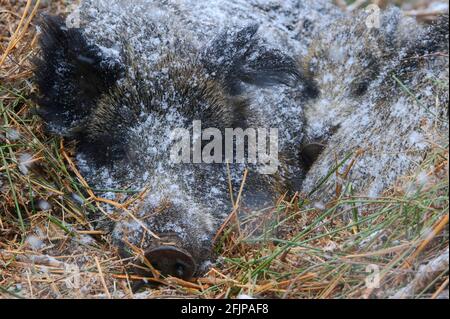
[360, 88]
[311, 89]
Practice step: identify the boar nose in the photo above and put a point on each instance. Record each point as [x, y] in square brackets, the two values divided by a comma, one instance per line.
[172, 261]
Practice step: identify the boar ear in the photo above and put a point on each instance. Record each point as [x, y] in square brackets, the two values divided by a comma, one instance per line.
[71, 75]
[241, 57]
[421, 47]
[434, 38]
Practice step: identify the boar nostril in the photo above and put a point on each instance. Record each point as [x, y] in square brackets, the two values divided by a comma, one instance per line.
[179, 270]
[172, 261]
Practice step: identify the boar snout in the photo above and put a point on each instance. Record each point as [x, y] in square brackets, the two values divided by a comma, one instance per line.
[172, 261]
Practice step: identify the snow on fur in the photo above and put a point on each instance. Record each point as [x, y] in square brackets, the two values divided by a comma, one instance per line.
[370, 102]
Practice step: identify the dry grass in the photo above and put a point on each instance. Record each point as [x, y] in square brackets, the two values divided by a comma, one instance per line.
[49, 247]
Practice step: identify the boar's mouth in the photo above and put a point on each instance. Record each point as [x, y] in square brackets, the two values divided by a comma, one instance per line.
[172, 261]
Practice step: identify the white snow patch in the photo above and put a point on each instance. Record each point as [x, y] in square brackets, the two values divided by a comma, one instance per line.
[43, 205]
[422, 178]
[417, 140]
[77, 198]
[35, 243]
[25, 163]
[13, 135]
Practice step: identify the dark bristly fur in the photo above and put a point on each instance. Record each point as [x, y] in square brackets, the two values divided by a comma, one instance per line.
[99, 104]
[71, 76]
[248, 62]
[381, 97]
[121, 102]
